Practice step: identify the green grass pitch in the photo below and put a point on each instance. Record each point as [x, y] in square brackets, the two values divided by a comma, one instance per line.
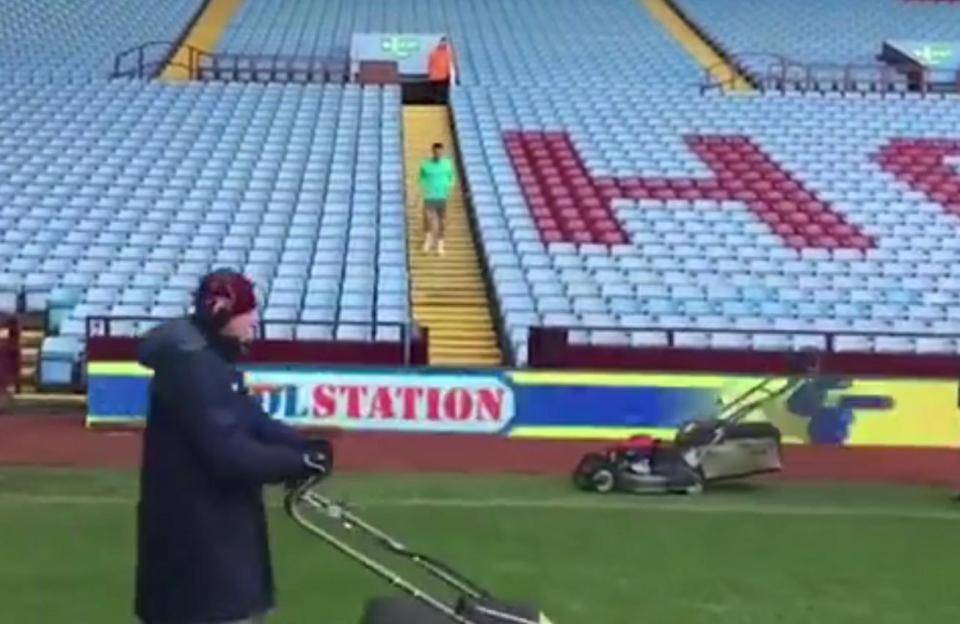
[767, 554]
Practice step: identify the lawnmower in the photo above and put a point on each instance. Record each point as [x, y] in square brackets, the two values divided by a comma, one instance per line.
[320, 516]
[704, 451]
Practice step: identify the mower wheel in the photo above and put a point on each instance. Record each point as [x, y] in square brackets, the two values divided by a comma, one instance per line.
[604, 481]
[584, 476]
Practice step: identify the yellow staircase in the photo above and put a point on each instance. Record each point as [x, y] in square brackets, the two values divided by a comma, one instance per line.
[204, 35]
[721, 71]
[449, 293]
[30, 341]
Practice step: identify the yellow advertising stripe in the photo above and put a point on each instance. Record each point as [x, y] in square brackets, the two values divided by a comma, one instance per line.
[924, 413]
[618, 380]
[117, 369]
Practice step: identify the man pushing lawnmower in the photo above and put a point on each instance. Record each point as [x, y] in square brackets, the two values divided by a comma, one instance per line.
[209, 448]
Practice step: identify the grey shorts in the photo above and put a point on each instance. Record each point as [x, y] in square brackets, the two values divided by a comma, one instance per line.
[438, 206]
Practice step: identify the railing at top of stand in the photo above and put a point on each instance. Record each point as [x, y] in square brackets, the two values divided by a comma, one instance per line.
[780, 74]
[734, 69]
[150, 59]
[564, 347]
[829, 337]
[408, 334]
[272, 68]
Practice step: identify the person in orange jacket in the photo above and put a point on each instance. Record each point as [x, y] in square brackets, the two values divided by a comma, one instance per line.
[441, 70]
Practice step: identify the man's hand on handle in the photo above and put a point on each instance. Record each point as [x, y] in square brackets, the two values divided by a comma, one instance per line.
[317, 462]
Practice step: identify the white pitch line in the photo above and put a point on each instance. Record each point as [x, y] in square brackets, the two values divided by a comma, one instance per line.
[586, 503]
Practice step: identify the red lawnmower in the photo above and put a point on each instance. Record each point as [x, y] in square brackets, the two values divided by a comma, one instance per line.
[719, 447]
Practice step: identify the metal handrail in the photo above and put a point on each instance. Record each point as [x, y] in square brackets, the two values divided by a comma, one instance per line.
[99, 326]
[829, 336]
[783, 74]
[135, 62]
[144, 68]
[236, 67]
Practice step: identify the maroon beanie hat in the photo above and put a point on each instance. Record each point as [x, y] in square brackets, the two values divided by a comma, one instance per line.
[229, 285]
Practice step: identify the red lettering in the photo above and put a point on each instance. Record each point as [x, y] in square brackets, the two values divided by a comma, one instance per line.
[324, 401]
[458, 404]
[490, 404]
[923, 165]
[383, 404]
[433, 403]
[409, 403]
[568, 204]
[355, 395]
[411, 398]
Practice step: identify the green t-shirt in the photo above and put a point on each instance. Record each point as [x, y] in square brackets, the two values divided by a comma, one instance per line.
[437, 178]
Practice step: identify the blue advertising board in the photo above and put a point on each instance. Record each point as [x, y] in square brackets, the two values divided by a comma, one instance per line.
[518, 403]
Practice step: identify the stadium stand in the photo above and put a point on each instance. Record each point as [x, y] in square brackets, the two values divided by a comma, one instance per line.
[71, 39]
[498, 42]
[116, 197]
[795, 214]
[818, 31]
[606, 192]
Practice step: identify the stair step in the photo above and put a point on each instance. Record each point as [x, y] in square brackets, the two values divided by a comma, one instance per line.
[453, 315]
[471, 344]
[66, 399]
[452, 296]
[451, 255]
[427, 269]
[459, 331]
[446, 280]
[465, 346]
[464, 354]
[444, 327]
[471, 362]
[453, 308]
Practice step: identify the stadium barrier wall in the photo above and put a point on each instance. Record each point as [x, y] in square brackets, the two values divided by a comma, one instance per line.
[825, 410]
[550, 348]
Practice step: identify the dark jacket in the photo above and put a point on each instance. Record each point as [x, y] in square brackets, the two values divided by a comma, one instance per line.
[203, 554]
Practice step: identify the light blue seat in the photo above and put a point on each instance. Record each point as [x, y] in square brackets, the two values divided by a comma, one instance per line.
[128, 317]
[173, 297]
[59, 356]
[319, 314]
[308, 332]
[353, 333]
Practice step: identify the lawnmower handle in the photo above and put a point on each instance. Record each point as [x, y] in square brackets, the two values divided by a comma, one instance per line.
[297, 492]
